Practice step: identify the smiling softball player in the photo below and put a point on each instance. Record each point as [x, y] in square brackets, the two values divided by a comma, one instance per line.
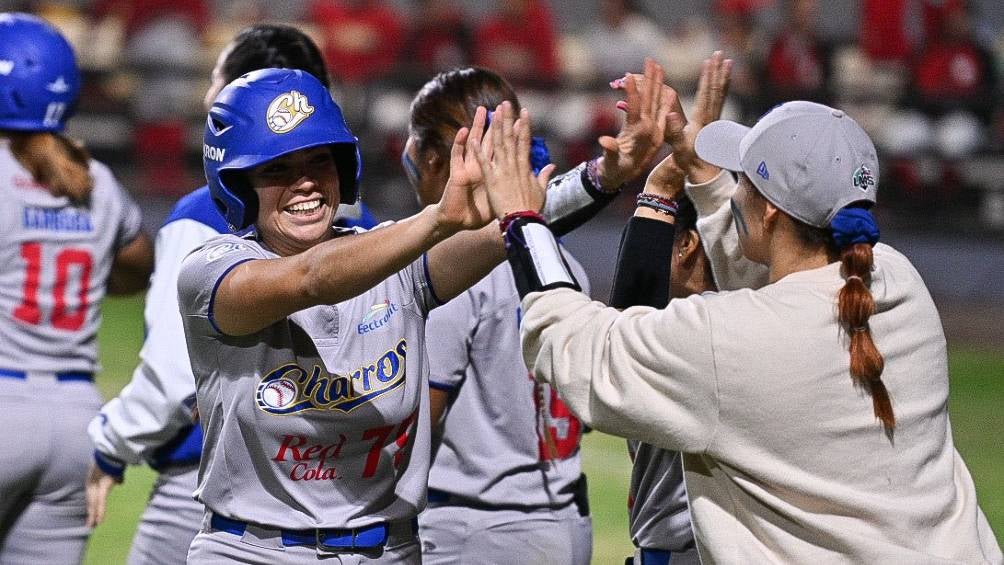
[317, 436]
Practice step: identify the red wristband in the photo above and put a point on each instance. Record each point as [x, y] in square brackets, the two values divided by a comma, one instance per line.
[508, 218]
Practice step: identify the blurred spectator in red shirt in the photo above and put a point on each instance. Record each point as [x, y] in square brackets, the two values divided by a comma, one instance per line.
[798, 61]
[953, 71]
[361, 39]
[137, 15]
[884, 30]
[520, 43]
[439, 40]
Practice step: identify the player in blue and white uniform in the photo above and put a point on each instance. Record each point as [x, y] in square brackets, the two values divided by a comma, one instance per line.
[152, 419]
[70, 234]
[307, 342]
[506, 485]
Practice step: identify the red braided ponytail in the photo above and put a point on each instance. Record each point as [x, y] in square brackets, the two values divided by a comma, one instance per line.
[854, 306]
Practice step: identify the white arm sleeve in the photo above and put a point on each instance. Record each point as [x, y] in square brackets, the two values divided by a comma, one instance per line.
[643, 373]
[158, 401]
[717, 228]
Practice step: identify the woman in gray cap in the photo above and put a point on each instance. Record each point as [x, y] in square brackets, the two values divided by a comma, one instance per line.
[811, 412]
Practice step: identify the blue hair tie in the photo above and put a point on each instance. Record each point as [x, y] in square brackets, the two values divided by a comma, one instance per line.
[540, 157]
[854, 225]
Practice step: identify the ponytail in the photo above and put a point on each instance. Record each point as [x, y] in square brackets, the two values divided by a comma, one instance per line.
[854, 233]
[55, 162]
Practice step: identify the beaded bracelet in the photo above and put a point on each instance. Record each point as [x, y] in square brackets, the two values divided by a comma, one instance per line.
[508, 218]
[593, 174]
[658, 203]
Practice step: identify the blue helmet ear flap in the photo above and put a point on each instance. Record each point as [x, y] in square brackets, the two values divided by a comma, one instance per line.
[236, 182]
[347, 161]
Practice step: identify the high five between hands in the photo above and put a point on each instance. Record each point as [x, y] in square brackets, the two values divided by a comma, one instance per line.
[490, 172]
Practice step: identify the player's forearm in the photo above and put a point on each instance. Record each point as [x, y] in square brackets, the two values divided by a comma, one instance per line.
[132, 267]
[464, 259]
[643, 263]
[256, 294]
[572, 199]
[346, 267]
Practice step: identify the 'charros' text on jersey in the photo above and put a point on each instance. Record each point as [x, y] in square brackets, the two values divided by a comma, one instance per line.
[290, 388]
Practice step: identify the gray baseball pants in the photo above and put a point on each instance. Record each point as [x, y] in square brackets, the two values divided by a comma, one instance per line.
[170, 521]
[460, 535]
[43, 466]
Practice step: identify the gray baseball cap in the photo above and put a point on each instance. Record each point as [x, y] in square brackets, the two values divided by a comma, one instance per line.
[808, 159]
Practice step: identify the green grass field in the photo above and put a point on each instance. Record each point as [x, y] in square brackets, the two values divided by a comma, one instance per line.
[976, 410]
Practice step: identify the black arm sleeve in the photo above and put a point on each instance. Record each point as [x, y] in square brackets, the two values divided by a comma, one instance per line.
[643, 264]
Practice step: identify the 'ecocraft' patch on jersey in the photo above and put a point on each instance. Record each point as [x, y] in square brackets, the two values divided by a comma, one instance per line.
[287, 111]
[378, 315]
[291, 388]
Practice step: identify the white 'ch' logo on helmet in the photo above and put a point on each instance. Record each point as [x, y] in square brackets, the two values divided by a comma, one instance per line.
[287, 111]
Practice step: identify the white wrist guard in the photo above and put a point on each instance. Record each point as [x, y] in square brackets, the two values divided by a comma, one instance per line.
[537, 262]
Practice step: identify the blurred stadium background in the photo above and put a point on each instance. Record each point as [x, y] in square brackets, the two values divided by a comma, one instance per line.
[922, 76]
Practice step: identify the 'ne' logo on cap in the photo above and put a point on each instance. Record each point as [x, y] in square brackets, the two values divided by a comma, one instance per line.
[762, 170]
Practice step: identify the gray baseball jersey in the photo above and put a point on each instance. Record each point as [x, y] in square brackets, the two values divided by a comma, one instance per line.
[494, 450]
[317, 421]
[657, 499]
[55, 257]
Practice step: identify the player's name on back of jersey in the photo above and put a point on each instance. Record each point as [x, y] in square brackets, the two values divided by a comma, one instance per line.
[56, 219]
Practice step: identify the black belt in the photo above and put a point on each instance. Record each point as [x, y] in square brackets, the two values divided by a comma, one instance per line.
[334, 539]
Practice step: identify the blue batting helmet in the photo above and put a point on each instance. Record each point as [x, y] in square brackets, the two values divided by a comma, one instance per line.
[39, 80]
[264, 115]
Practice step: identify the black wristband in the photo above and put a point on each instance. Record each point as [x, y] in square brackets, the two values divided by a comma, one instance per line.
[537, 262]
[643, 264]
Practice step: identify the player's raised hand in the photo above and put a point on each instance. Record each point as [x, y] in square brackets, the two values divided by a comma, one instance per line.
[464, 205]
[99, 485]
[630, 153]
[505, 163]
[681, 132]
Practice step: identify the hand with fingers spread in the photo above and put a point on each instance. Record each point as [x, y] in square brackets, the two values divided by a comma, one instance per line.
[509, 179]
[648, 103]
[681, 132]
[463, 205]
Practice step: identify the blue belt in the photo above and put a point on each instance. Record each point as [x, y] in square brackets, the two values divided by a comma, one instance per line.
[655, 556]
[60, 375]
[366, 537]
[436, 496]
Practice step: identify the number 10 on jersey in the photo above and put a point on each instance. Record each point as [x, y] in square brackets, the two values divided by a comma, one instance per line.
[67, 261]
